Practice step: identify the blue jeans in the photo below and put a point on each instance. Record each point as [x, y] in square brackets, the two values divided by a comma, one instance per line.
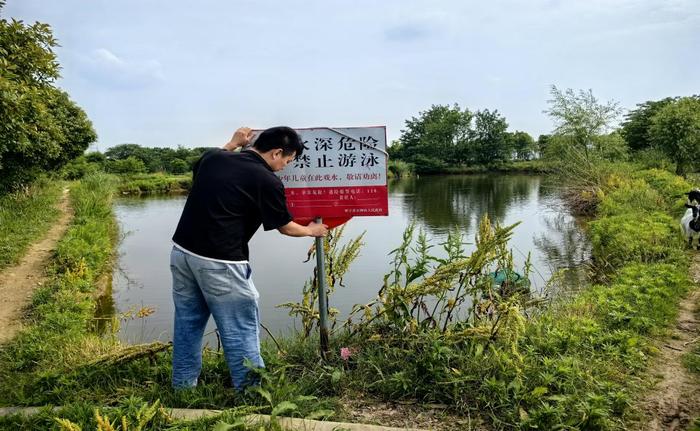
[225, 290]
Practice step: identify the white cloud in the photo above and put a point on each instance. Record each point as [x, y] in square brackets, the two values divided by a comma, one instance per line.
[106, 68]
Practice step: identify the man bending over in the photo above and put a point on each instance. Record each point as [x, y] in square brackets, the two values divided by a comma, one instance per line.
[232, 195]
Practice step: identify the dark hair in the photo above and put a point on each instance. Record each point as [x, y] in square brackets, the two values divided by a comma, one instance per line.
[279, 137]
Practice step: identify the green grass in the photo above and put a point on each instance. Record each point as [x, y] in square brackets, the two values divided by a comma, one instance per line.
[26, 216]
[58, 333]
[154, 184]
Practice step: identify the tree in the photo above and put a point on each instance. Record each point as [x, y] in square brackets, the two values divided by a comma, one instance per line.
[96, 157]
[41, 129]
[490, 141]
[523, 145]
[675, 129]
[556, 147]
[179, 166]
[611, 146]
[635, 128]
[76, 132]
[542, 142]
[436, 136]
[580, 116]
[394, 149]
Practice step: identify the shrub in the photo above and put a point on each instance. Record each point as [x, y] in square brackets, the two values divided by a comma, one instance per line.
[79, 167]
[400, 169]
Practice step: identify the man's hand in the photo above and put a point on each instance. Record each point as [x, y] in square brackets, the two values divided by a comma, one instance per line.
[317, 229]
[242, 137]
[313, 229]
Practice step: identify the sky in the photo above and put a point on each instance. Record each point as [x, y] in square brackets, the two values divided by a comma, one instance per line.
[175, 73]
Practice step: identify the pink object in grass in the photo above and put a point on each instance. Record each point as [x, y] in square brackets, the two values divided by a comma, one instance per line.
[345, 353]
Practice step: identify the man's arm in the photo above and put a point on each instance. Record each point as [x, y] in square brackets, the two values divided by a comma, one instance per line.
[242, 137]
[297, 230]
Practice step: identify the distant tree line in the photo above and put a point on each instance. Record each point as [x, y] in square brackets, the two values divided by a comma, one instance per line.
[41, 128]
[135, 159]
[659, 133]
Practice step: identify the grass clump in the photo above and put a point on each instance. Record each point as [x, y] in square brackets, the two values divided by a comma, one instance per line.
[639, 237]
[25, 216]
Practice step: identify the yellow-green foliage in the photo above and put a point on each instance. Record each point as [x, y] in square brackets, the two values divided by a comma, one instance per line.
[633, 223]
[630, 197]
[671, 187]
[634, 237]
[338, 260]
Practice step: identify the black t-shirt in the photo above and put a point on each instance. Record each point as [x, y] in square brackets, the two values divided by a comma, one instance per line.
[232, 194]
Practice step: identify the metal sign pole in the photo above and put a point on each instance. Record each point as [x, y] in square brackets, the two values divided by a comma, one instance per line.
[322, 289]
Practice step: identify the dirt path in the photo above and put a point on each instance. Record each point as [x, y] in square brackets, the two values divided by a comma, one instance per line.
[17, 283]
[675, 400]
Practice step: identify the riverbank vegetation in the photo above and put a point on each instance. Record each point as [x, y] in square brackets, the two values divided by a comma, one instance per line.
[439, 330]
[157, 183]
[58, 335]
[25, 216]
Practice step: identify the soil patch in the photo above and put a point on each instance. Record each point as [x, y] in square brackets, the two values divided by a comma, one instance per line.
[17, 283]
[675, 399]
[362, 409]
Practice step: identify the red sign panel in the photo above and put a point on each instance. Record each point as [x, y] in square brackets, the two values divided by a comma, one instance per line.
[341, 174]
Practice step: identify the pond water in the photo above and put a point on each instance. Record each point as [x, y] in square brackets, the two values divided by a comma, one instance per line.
[436, 204]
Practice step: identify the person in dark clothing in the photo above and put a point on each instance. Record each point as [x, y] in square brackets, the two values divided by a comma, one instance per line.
[233, 193]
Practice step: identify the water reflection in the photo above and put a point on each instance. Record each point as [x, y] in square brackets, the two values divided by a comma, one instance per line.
[445, 202]
[565, 246]
[105, 309]
[437, 204]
